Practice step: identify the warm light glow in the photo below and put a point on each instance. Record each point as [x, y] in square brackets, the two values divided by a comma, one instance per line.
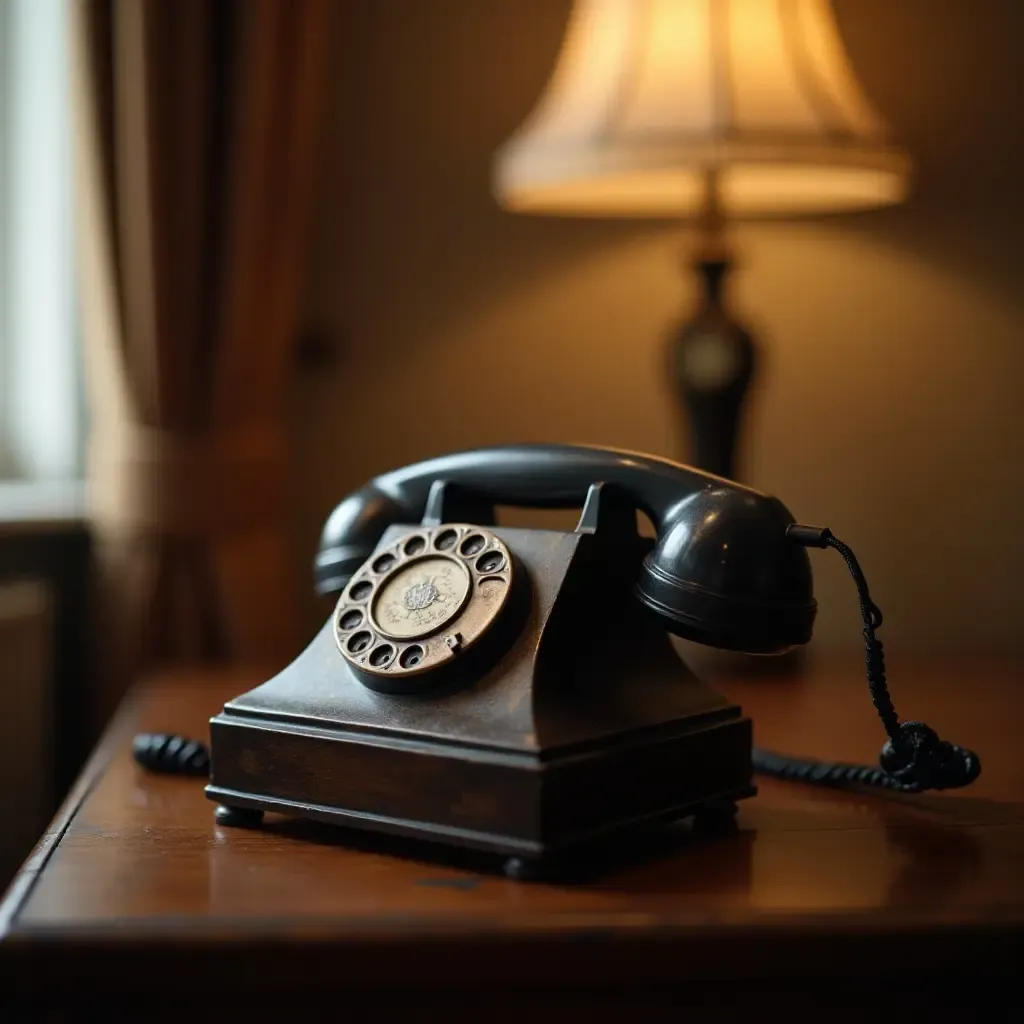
[649, 95]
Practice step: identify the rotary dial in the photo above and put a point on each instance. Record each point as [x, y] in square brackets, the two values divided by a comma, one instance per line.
[417, 604]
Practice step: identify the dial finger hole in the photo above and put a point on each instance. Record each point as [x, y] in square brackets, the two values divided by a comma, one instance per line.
[411, 656]
[445, 539]
[383, 563]
[414, 545]
[350, 619]
[360, 591]
[381, 655]
[473, 544]
[490, 561]
[359, 642]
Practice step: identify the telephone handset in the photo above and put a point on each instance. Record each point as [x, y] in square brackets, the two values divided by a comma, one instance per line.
[515, 690]
[722, 573]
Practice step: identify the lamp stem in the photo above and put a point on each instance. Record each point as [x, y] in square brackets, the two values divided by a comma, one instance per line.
[712, 243]
[713, 355]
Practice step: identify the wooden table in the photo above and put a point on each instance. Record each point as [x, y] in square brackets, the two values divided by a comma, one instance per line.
[136, 901]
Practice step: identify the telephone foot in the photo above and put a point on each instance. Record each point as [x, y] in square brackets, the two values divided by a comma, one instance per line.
[716, 816]
[524, 869]
[238, 817]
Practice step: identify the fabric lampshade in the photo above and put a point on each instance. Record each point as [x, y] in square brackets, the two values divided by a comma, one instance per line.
[651, 100]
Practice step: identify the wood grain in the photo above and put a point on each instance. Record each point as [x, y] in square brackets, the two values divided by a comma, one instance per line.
[850, 890]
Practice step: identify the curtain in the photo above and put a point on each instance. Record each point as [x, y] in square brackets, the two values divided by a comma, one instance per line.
[195, 130]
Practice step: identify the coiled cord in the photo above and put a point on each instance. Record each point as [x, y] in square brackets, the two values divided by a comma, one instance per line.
[913, 758]
[171, 755]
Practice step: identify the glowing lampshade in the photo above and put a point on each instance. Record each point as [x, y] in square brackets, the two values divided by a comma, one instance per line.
[654, 102]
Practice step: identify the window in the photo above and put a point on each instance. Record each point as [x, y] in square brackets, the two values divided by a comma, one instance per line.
[40, 406]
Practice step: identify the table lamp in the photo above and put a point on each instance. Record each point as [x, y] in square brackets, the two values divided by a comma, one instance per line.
[710, 109]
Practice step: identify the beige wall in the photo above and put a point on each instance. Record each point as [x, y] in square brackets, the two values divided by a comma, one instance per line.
[890, 401]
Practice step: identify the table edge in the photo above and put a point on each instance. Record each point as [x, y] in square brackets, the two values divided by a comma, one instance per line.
[20, 889]
[594, 957]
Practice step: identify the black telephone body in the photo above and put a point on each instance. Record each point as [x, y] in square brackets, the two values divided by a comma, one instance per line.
[516, 690]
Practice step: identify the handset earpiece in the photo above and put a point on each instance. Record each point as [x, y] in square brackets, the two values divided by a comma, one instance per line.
[723, 573]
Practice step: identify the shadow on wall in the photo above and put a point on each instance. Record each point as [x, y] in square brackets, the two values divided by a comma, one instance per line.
[889, 402]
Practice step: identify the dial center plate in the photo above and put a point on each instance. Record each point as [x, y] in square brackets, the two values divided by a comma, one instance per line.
[421, 597]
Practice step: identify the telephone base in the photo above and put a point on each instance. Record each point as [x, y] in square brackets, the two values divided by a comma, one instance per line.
[588, 727]
[540, 810]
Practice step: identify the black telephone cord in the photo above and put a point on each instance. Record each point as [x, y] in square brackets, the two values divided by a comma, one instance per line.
[913, 759]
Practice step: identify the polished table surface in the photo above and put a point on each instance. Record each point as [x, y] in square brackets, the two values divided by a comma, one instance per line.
[815, 884]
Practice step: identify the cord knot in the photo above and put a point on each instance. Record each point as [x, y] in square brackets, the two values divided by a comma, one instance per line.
[919, 760]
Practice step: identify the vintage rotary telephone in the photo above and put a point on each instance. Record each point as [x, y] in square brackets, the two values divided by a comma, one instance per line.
[516, 690]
